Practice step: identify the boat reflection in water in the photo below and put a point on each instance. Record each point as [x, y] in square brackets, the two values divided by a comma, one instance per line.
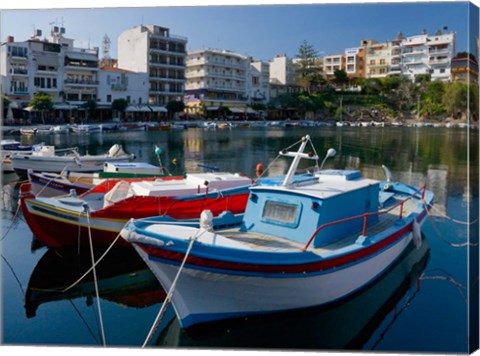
[122, 277]
[346, 325]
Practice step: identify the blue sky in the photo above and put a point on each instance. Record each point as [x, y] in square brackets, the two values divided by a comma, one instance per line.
[261, 31]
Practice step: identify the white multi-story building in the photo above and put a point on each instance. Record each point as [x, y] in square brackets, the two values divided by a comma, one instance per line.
[218, 78]
[116, 83]
[15, 68]
[283, 77]
[30, 67]
[333, 62]
[423, 54]
[415, 56]
[152, 49]
[259, 92]
[52, 66]
[282, 70]
[441, 50]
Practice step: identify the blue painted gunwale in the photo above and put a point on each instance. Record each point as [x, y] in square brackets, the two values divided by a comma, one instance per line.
[281, 264]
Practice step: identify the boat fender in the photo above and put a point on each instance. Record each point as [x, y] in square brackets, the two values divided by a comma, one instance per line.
[206, 220]
[417, 234]
[114, 150]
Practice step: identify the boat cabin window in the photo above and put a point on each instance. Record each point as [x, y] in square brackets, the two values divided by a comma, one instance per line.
[280, 213]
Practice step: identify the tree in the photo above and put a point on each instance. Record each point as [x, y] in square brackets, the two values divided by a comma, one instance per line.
[307, 70]
[175, 107]
[119, 105]
[42, 102]
[89, 106]
[224, 111]
[455, 99]
[340, 77]
[432, 102]
[6, 101]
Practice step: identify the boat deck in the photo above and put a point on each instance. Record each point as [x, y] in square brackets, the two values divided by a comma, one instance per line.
[266, 242]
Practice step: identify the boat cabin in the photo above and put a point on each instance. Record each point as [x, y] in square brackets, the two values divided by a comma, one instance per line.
[296, 210]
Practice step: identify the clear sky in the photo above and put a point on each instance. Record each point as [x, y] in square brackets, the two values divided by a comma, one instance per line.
[259, 30]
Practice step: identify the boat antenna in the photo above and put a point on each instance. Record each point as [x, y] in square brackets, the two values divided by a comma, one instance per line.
[158, 152]
[330, 153]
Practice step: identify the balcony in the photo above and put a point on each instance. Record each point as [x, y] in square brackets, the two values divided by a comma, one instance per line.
[439, 51]
[413, 52]
[19, 72]
[71, 66]
[160, 91]
[75, 82]
[216, 63]
[165, 50]
[211, 74]
[119, 87]
[439, 61]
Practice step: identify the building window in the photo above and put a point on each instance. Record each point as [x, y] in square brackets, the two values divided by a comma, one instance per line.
[372, 62]
[109, 98]
[382, 61]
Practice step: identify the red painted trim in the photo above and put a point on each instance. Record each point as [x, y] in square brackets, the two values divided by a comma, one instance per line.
[277, 268]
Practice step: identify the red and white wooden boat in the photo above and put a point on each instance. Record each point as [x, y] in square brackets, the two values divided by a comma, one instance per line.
[103, 211]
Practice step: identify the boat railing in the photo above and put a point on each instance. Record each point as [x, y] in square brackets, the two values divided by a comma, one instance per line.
[365, 216]
[68, 149]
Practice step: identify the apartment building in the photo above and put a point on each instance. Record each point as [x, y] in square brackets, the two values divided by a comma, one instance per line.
[464, 69]
[154, 50]
[423, 54]
[333, 62]
[283, 78]
[355, 62]
[441, 50]
[259, 92]
[53, 66]
[116, 83]
[31, 66]
[218, 78]
[282, 70]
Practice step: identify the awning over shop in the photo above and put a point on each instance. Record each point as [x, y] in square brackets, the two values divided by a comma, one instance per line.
[48, 60]
[237, 110]
[158, 109]
[64, 107]
[82, 56]
[132, 108]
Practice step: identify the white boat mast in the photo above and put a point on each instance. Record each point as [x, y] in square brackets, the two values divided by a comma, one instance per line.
[297, 156]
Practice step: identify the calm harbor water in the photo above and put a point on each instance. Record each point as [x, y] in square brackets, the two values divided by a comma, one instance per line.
[420, 305]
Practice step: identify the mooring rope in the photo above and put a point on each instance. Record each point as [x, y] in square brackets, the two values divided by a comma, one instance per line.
[168, 298]
[276, 158]
[437, 230]
[95, 280]
[14, 218]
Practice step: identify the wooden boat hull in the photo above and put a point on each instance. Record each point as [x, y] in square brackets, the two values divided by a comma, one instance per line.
[21, 164]
[68, 224]
[210, 289]
[46, 186]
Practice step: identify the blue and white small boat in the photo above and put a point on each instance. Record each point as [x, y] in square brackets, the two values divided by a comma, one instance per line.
[12, 147]
[305, 240]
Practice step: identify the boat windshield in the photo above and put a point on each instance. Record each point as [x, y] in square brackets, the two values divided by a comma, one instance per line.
[280, 213]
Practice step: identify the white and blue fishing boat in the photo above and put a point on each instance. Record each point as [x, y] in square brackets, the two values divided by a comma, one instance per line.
[305, 240]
